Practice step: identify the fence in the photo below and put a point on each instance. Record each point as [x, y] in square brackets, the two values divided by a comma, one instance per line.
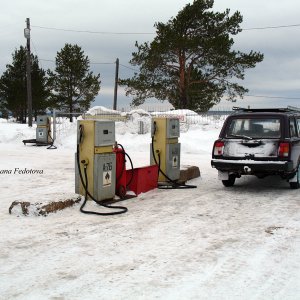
[185, 116]
[62, 127]
[191, 118]
[135, 121]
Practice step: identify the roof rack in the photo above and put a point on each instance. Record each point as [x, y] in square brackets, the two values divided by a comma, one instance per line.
[293, 108]
[287, 109]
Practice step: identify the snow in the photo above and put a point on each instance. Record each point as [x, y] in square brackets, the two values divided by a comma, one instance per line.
[176, 112]
[210, 242]
[101, 109]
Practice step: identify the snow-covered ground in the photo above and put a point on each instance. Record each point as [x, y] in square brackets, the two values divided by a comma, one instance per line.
[206, 243]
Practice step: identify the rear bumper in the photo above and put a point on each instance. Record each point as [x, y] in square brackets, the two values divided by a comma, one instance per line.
[239, 166]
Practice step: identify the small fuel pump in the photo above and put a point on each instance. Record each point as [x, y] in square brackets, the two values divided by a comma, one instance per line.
[165, 149]
[43, 133]
[43, 130]
[95, 172]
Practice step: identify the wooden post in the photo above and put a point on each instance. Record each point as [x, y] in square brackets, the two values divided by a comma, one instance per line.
[28, 73]
[116, 85]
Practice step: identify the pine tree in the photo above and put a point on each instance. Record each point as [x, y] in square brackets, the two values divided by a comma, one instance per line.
[73, 86]
[13, 87]
[191, 62]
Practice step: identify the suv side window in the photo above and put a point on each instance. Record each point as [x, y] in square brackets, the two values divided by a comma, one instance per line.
[293, 132]
[298, 125]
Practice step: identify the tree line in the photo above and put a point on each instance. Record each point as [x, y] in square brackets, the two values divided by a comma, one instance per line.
[71, 87]
[191, 62]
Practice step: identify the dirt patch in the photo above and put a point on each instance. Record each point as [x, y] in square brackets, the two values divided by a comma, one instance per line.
[41, 209]
[272, 229]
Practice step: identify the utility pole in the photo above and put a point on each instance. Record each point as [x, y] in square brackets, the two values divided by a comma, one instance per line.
[28, 72]
[116, 84]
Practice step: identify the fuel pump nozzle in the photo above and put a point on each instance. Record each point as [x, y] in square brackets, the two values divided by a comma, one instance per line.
[85, 162]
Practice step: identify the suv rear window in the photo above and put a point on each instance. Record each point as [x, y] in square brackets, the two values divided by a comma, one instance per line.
[254, 128]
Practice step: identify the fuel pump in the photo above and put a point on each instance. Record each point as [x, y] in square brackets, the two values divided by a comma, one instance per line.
[43, 133]
[43, 130]
[165, 133]
[95, 171]
[165, 151]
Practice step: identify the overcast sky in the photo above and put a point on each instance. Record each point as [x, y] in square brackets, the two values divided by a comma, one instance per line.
[277, 76]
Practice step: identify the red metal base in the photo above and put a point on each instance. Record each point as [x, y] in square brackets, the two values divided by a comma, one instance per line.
[144, 179]
[120, 172]
[138, 180]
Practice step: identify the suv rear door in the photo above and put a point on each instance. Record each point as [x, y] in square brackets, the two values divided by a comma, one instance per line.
[252, 137]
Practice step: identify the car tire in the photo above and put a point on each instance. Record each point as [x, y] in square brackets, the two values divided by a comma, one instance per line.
[296, 184]
[230, 181]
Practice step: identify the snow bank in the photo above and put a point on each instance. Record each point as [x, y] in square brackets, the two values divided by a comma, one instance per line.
[137, 121]
[14, 132]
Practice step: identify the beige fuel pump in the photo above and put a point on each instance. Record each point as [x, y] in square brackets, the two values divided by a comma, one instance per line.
[43, 130]
[165, 149]
[96, 140]
[95, 171]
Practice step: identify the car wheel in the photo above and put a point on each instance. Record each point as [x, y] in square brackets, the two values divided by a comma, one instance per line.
[230, 181]
[296, 184]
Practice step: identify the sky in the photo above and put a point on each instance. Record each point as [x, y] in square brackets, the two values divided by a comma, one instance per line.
[273, 83]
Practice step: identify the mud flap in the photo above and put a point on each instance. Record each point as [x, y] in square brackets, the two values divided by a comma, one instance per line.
[223, 175]
[296, 178]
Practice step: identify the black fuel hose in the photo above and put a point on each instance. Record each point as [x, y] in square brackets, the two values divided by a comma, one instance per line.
[124, 164]
[123, 167]
[174, 184]
[51, 147]
[122, 209]
[128, 183]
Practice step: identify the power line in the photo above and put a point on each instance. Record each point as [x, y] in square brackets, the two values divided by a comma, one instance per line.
[34, 46]
[272, 97]
[92, 63]
[93, 32]
[129, 68]
[248, 95]
[272, 27]
[42, 59]
[102, 63]
[148, 33]
[36, 52]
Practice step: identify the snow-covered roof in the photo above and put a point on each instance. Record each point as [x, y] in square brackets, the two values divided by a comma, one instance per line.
[101, 109]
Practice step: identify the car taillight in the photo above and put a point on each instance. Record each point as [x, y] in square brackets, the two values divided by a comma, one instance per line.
[284, 149]
[218, 148]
